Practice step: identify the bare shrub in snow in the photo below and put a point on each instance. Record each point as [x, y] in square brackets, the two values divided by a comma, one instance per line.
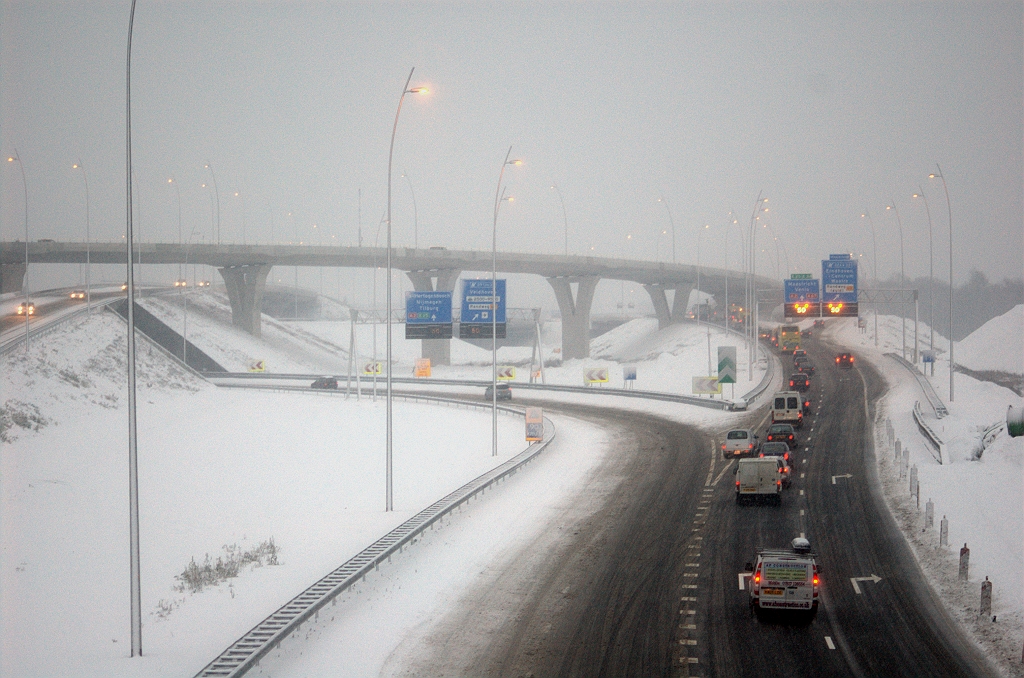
[21, 414]
[197, 577]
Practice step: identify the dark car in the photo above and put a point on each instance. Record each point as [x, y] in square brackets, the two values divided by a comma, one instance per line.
[782, 433]
[799, 382]
[329, 383]
[844, 360]
[805, 367]
[799, 353]
[781, 451]
[819, 323]
[504, 392]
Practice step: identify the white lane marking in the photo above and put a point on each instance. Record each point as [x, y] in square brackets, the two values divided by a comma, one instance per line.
[690, 598]
[689, 586]
[802, 475]
[690, 627]
[742, 577]
[804, 461]
[828, 641]
[853, 580]
[801, 511]
[802, 535]
[711, 471]
[801, 493]
[845, 475]
[724, 469]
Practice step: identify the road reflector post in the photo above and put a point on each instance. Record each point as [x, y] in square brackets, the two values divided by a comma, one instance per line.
[913, 479]
[906, 461]
[943, 532]
[985, 609]
[965, 561]
[929, 513]
[899, 451]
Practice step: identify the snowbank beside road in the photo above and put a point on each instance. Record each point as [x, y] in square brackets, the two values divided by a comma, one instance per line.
[983, 500]
[996, 345]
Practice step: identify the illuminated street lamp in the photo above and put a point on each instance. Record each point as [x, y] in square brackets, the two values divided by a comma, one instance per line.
[391, 151]
[938, 175]
[931, 276]
[499, 196]
[16, 158]
[903, 284]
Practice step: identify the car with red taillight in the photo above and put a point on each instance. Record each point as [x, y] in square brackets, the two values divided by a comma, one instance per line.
[782, 433]
[739, 443]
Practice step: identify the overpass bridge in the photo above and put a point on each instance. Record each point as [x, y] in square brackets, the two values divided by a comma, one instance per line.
[245, 268]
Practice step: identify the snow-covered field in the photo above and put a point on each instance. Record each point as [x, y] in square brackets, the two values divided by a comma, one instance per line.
[983, 500]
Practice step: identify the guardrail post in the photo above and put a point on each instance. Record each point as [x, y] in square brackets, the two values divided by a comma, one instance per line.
[929, 513]
[906, 461]
[965, 561]
[943, 532]
[986, 598]
[913, 478]
[899, 451]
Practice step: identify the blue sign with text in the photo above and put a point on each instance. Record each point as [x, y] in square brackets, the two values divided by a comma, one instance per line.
[478, 302]
[800, 291]
[839, 278]
[428, 307]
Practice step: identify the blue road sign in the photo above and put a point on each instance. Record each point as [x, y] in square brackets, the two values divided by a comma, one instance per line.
[800, 291]
[478, 302]
[839, 278]
[428, 308]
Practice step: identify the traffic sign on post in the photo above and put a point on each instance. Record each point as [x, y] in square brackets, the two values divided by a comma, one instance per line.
[801, 297]
[726, 364]
[595, 375]
[839, 279]
[706, 385]
[422, 368]
[482, 310]
[257, 365]
[534, 424]
[506, 372]
[428, 315]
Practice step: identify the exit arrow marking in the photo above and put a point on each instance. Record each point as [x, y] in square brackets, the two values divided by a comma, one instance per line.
[845, 475]
[856, 588]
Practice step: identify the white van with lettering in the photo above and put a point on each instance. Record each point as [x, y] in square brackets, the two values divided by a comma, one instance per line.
[784, 580]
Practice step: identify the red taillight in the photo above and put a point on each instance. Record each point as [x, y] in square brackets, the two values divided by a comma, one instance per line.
[815, 580]
[761, 455]
[778, 482]
[737, 483]
[723, 447]
[837, 361]
[851, 358]
[791, 382]
[757, 578]
[750, 446]
[786, 456]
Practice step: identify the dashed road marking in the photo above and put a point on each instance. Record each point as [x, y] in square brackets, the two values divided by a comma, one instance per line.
[801, 493]
[828, 641]
[692, 565]
[689, 660]
[689, 574]
[742, 577]
[687, 642]
[801, 511]
[804, 461]
[690, 627]
[802, 474]
[689, 586]
[688, 598]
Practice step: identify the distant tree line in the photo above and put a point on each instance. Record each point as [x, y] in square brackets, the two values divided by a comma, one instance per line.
[974, 303]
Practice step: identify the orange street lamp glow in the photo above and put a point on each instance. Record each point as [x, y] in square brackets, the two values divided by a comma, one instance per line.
[516, 162]
[419, 90]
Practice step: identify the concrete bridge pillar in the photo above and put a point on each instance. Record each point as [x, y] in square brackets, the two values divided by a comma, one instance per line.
[575, 313]
[12, 278]
[245, 285]
[438, 350]
[680, 300]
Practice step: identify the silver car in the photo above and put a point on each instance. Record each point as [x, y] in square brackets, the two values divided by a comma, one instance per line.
[739, 443]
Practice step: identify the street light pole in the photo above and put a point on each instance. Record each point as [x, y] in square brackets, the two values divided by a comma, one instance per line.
[949, 211]
[391, 152]
[672, 223]
[931, 275]
[209, 166]
[565, 219]
[177, 190]
[133, 432]
[17, 158]
[874, 261]
[88, 240]
[499, 196]
[415, 215]
[752, 306]
[903, 282]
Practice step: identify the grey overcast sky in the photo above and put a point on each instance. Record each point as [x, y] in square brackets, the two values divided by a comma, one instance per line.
[830, 109]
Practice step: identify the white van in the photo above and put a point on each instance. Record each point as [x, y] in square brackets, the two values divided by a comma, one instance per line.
[784, 580]
[759, 479]
[787, 408]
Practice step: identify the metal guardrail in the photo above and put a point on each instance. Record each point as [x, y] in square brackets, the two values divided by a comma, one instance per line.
[926, 386]
[246, 652]
[628, 393]
[929, 435]
[766, 380]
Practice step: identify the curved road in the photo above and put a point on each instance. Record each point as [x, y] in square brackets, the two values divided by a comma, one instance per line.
[650, 583]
